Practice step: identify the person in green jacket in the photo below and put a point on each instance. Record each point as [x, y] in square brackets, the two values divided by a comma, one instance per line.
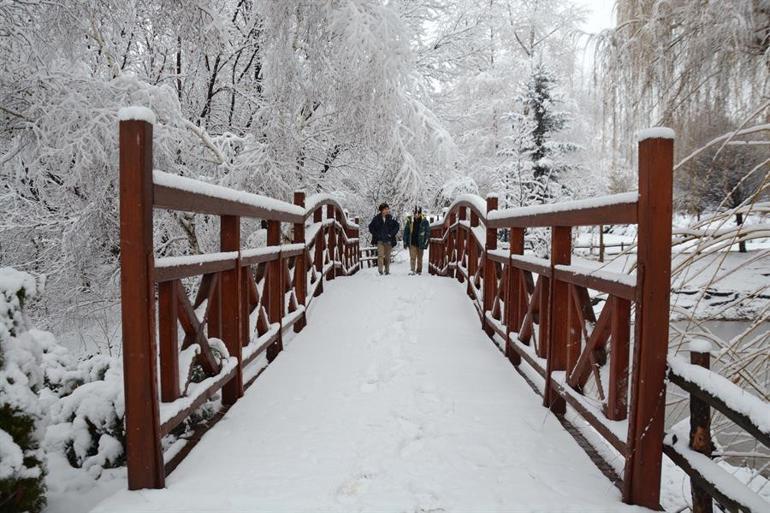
[416, 238]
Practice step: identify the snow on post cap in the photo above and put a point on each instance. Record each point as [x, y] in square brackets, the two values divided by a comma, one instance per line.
[136, 113]
[656, 132]
[700, 345]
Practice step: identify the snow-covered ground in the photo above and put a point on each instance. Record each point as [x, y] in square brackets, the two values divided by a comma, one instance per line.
[392, 399]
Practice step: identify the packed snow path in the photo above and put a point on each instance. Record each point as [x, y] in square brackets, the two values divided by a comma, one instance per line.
[400, 403]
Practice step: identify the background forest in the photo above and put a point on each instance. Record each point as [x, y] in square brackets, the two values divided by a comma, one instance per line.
[407, 101]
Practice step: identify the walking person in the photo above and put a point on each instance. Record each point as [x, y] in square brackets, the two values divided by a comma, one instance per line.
[416, 238]
[384, 230]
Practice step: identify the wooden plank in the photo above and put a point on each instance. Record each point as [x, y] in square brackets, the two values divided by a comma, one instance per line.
[739, 419]
[261, 349]
[599, 336]
[624, 212]
[273, 281]
[137, 296]
[259, 258]
[331, 243]
[700, 437]
[590, 417]
[194, 330]
[641, 484]
[230, 240]
[490, 270]
[728, 502]
[539, 266]
[199, 400]
[178, 272]
[514, 302]
[300, 268]
[185, 201]
[620, 336]
[558, 329]
[591, 281]
[533, 309]
[575, 327]
[168, 338]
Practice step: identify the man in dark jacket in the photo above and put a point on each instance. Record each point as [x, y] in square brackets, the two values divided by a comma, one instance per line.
[384, 230]
[416, 238]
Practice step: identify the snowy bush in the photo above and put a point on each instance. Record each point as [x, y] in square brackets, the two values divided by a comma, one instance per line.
[86, 426]
[22, 468]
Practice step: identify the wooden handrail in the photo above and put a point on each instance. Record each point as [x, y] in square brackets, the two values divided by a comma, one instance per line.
[228, 299]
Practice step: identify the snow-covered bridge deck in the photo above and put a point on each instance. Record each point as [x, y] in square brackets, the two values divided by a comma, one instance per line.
[392, 399]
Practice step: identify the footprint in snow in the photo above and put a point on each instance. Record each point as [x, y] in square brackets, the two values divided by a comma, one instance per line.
[409, 447]
[349, 490]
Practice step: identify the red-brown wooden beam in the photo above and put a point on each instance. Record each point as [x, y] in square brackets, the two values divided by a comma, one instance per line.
[300, 271]
[620, 334]
[624, 211]
[332, 243]
[461, 247]
[274, 289]
[168, 338]
[490, 270]
[558, 316]
[144, 458]
[231, 328]
[516, 300]
[641, 482]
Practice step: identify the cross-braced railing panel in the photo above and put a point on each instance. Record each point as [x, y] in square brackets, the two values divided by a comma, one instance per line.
[231, 306]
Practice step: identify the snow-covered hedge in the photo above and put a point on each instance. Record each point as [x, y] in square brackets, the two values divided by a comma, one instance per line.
[22, 470]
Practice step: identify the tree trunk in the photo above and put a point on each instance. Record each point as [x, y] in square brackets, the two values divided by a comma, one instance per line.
[739, 222]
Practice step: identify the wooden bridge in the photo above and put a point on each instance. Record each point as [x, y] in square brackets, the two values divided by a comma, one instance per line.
[563, 341]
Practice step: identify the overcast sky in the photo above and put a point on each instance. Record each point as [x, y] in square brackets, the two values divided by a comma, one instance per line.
[599, 14]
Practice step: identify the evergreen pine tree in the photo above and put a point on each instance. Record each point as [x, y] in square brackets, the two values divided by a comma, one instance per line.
[541, 102]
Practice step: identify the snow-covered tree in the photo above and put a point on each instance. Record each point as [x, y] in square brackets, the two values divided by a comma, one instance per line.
[549, 156]
[22, 468]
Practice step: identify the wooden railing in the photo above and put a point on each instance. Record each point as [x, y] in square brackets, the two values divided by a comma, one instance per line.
[540, 311]
[691, 449]
[246, 300]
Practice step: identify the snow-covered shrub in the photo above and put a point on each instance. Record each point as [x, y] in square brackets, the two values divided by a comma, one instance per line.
[22, 468]
[86, 426]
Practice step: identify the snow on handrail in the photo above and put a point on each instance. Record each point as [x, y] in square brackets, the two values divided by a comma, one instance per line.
[261, 204]
[176, 261]
[501, 217]
[725, 483]
[317, 200]
[476, 203]
[736, 398]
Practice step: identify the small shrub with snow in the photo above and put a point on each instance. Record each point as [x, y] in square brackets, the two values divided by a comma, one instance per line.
[86, 425]
[22, 469]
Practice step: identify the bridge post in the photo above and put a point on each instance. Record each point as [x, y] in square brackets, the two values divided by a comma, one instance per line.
[231, 328]
[332, 245]
[137, 291]
[514, 300]
[461, 248]
[490, 269]
[473, 257]
[557, 319]
[451, 242]
[357, 247]
[274, 286]
[300, 263]
[320, 244]
[641, 482]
